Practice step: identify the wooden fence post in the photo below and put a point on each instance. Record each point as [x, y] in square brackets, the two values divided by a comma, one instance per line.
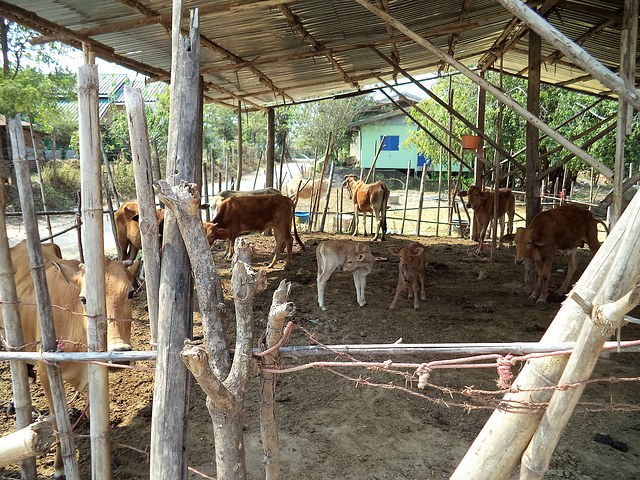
[45, 315]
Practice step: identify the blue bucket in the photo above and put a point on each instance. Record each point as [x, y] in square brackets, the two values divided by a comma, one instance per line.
[302, 217]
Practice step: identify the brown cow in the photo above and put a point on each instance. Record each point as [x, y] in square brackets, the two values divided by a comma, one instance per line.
[306, 187]
[482, 204]
[66, 281]
[348, 256]
[255, 214]
[216, 200]
[368, 197]
[128, 229]
[564, 228]
[411, 270]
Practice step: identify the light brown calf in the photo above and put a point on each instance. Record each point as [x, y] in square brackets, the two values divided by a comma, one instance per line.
[348, 256]
[411, 271]
[368, 197]
[482, 204]
[66, 281]
[256, 213]
[216, 200]
[128, 229]
[564, 228]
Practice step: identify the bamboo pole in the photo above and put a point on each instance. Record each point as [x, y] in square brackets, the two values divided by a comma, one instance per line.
[205, 192]
[34, 439]
[255, 178]
[172, 380]
[497, 449]
[284, 144]
[406, 197]
[40, 180]
[280, 310]
[157, 175]
[318, 192]
[341, 210]
[14, 337]
[375, 159]
[147, 217]
[439, 193]
[89, 134]
[45, 316]
[421, 199]
[112, 220]
[326, 204]
[107, 167]
[240, 150]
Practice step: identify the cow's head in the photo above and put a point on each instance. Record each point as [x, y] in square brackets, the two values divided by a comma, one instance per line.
[410, 259]
[159, 216]
[526, 242]
[119, 294]
[359, 259]
[473, 194]
[349, 180]
[214, 232]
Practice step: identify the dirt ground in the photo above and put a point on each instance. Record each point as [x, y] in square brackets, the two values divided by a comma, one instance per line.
[332, 427]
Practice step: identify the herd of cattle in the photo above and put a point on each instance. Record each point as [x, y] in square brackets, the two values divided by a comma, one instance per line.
[564, 228]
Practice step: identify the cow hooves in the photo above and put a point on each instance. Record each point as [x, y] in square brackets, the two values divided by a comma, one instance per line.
[532, 298]
[541, 301]
[323, 308]
[59, 477]
[362, 304]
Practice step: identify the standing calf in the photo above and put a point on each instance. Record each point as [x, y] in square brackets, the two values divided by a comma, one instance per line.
[482, 204]
[348, 256]
[411, 270]
[564, 228]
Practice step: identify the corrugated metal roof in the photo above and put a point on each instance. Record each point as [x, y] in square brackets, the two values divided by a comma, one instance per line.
[265, 53]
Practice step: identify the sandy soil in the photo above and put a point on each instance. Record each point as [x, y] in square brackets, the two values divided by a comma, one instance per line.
[331, 427]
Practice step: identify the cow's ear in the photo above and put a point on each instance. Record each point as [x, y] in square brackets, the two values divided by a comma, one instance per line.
[136, 218]
[538, 240]
[133, 268]
[361, 247]
[361, 257]
[418, 251]
[510, 237]
[394, 251]
[463, 193]
[67, 272]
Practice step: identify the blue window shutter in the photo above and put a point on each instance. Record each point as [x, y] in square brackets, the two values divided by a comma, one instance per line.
[391, 143]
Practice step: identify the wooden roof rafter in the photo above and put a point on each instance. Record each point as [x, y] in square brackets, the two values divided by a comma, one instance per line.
[395, 54]
[297, 26]
[455, 36]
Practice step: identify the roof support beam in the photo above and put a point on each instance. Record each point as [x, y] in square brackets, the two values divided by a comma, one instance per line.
[395, 55]
[35, 22]
[298, 27]
[455, 36]
[576, 53]
[493, 90]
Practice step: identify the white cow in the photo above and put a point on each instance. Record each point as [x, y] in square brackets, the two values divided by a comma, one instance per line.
[349, 256]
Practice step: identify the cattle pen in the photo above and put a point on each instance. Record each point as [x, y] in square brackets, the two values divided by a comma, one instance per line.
[475, 381]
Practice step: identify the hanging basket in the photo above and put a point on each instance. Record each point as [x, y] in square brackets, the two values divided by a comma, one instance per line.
[470, 142]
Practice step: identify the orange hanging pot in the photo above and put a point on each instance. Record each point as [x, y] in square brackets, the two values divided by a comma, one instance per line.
[470, 142]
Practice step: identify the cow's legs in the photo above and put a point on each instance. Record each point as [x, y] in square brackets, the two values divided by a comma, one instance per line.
[399, 289]
[414, 287]
[481, 233]
[323, 277]
[279, 245]
[543, 281]
[377, 214]
[289, 243]
[423, 294]
[571, 258]
[355, 219]
[360, 281]
[364, 221]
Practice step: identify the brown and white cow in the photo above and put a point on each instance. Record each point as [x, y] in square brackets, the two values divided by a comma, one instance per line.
[482, 204]
[348, 256]
[564, 228]
[66, 282]
[128, 229]
[256, 213]
[411, 271]
[216, 200]
[368, 197]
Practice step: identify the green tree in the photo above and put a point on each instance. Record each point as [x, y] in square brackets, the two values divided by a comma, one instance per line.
[312, 122]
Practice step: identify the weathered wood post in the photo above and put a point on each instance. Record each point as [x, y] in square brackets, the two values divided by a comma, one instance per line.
[224, 383]
[280, 310]
[45, 316]
[171, 388]
[112, 220]
[14, 337]
[40, 180]
[497, 449]
[240, 146]
[96, 308]
[406, 197]
[326, 203]
[107, 167]
[315, 194]
[421, 199]
[148, 220]
[284, 144]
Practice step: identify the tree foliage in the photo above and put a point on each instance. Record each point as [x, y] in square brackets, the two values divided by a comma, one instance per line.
[557, 106]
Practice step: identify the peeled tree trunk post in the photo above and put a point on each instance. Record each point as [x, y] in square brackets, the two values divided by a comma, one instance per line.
[224, 382]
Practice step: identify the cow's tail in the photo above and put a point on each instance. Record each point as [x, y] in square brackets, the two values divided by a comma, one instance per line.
[385, 201]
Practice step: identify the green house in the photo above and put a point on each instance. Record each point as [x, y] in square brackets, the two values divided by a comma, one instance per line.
[386, 119]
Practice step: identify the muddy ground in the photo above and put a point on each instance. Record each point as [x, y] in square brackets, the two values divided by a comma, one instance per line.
[332, 427]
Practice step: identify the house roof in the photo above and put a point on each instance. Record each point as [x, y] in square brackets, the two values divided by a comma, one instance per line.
[267, 52]
[111, 92]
